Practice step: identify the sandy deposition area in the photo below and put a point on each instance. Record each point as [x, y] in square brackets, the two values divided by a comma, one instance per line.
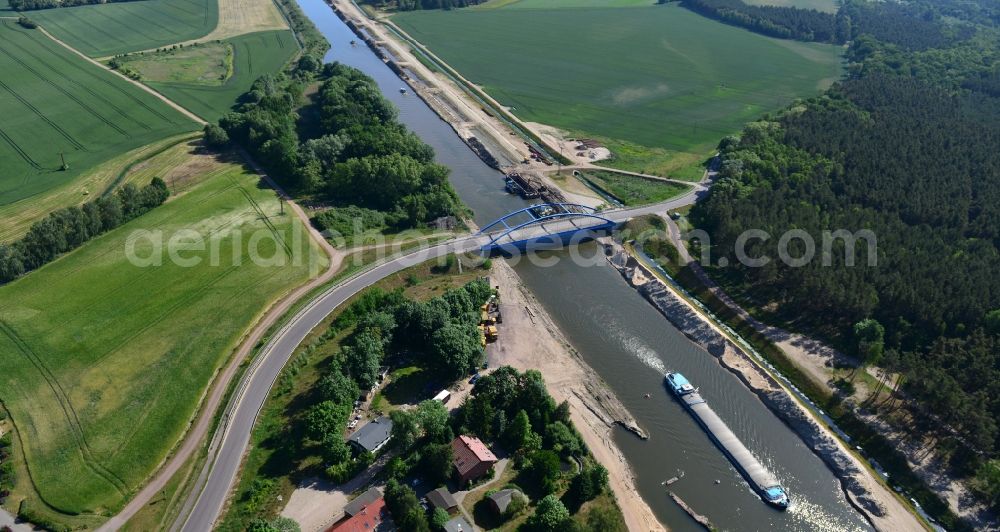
[529, 339]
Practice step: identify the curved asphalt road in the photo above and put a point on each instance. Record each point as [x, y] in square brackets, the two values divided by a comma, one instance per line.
[238, 421]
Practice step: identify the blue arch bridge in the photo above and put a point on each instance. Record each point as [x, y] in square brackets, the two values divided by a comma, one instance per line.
[545, 226]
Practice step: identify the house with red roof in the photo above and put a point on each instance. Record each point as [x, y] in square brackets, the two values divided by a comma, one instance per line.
[471, 458]
[367, 513]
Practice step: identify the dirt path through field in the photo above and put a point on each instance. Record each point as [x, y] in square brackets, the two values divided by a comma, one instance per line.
[163, 98]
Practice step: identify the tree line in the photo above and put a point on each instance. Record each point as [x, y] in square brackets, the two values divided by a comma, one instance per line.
[931, 196]
[782, 22]
[67, 229]
[31, 5]
[911, 26]
[414, 5]
[359, 155]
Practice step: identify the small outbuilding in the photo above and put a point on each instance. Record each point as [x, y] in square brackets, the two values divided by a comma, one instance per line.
[372, 436]
[472, 458]
[443, 499]
[501, 500]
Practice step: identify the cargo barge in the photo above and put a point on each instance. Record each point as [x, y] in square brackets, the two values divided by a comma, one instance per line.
[760, 479]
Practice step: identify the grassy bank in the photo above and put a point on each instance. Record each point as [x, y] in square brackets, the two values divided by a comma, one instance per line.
[631, 190]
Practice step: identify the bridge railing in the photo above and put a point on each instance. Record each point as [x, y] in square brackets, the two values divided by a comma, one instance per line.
[564, 208]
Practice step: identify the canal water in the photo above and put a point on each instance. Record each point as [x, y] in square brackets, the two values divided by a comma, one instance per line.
[631, 346]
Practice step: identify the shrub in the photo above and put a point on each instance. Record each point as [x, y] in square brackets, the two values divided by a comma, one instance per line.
[215, 136]
[348, 221]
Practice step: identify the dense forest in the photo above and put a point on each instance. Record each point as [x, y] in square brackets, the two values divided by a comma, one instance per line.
[916, 25]
[359, 155]
[906, 147]
[413, 5]
[781, 22]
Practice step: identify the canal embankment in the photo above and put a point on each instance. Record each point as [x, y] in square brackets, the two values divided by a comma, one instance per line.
[534, 341]
[625, 341]
[882, 510]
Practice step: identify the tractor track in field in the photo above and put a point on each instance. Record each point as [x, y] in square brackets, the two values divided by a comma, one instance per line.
[107, 82]
[64, 92]
[195, 118]
[72, 419]
[20, 151]
[62, 132]
[92, 92]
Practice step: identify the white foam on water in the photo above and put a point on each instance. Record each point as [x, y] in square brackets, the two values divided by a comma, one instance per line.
[811, 516]
[646, 354]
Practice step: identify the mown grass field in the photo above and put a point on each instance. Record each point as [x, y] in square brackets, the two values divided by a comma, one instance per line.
[104, 361]
[633, 190]
[254, 54]
[52, 102]
[659, 77]
[203, 64]
[101, 30]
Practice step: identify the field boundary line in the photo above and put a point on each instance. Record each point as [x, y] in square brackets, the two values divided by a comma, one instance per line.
[107, 82]
[195, 118]
[201, 424]
[93, 93]
[65, 93]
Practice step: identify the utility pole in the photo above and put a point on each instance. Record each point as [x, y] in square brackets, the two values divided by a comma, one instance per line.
[281, 202]
[64, 166]
[561, 142]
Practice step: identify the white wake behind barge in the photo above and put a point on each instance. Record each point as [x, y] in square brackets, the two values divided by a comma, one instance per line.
[760, 479]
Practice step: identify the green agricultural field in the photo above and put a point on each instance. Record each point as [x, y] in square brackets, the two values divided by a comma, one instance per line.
[255, 54]
[659, 77]
[101, 30]
[104, 361]
[52, 102]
